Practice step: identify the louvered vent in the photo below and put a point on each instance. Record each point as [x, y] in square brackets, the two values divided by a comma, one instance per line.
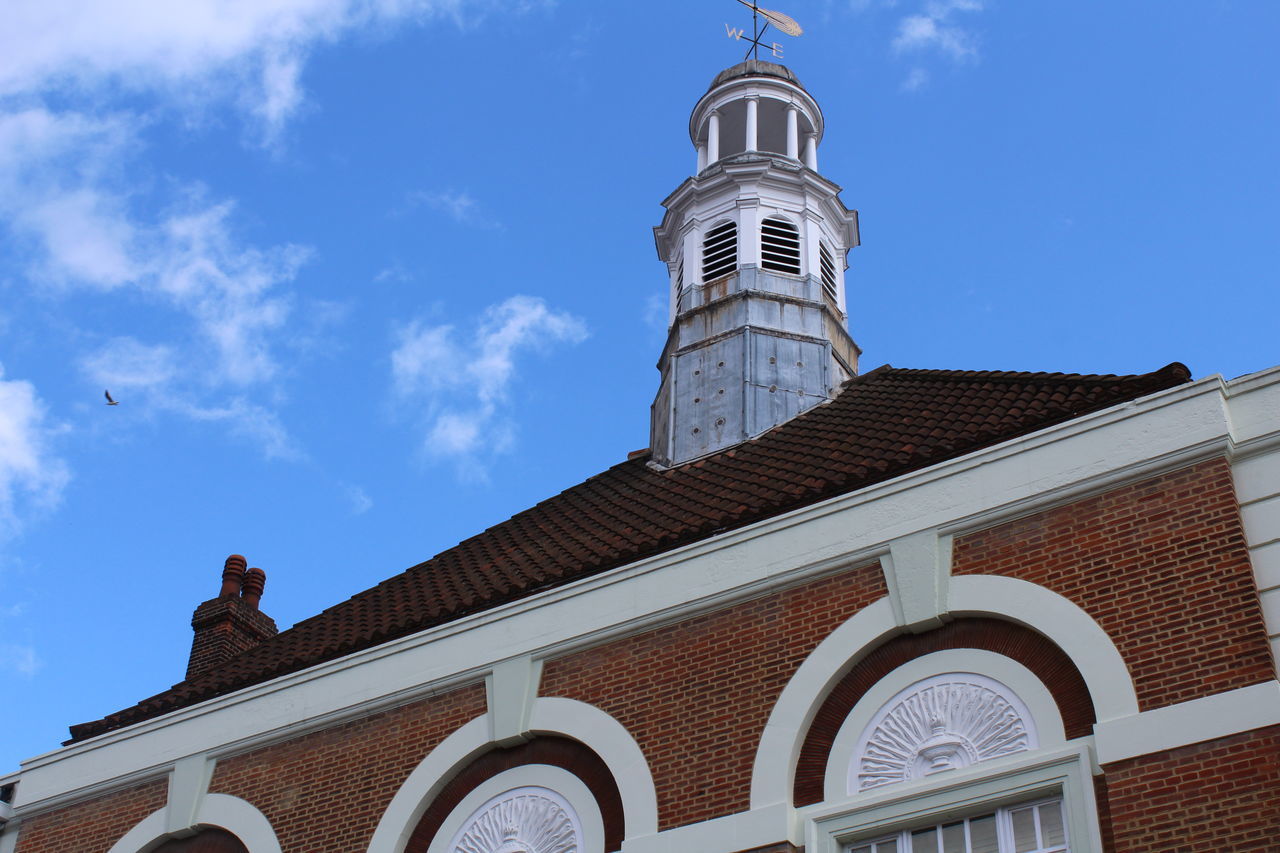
[828, 269]
[779, 246]
[720, 251]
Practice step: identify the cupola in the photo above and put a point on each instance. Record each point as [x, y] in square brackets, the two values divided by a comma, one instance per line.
[754, 244]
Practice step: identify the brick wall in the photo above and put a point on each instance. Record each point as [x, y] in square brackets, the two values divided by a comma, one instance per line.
[327, 790]
[696, 695]
[92, 826]
[1161, 565]
[1212, 796]
[224, 628]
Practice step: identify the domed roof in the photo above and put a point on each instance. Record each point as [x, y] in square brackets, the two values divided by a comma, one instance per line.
[755, 68]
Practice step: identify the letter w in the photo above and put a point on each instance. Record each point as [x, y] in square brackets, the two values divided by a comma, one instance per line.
[732, 33]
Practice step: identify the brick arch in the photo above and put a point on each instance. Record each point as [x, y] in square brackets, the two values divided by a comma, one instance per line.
[1034, 651]
[564, 753]
[207, 841]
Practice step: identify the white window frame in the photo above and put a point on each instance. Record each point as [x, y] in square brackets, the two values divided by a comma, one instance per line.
[1003, 826]
[1065, 773]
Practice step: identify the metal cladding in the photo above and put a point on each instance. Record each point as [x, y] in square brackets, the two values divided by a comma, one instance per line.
[757, 331]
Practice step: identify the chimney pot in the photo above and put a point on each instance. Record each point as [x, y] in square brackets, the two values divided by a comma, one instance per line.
[232, 576]
[255, 581]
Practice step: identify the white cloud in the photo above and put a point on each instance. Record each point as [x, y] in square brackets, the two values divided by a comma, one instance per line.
[221, 45]
[244, 419]
[126, 364]
[226, 288]
[31, 476]
[74, 181]
[915, 80]
[22, 660]
[463, 381]
[460, 206]
[359, 500]
[934, 29]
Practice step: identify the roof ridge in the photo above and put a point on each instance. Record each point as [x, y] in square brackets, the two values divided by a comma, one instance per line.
[884, 423]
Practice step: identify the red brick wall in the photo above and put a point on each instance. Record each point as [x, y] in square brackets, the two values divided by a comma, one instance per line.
[696, 695]
[1161, 565]
[92, 826]
[1213, 796]
[327, 790]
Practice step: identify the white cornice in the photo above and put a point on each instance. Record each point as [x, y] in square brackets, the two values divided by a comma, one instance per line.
[1126, 442]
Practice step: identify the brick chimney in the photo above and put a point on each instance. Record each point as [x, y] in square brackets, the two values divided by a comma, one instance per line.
[231, 623]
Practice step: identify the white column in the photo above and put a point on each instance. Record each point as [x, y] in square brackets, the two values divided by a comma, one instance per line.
[753, 124]
[713, 137]
[811, 151]
[702, 157]
[793, 132]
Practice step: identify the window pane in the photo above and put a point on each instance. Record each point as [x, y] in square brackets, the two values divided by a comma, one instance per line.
[924, 841]
[866, 848]
[890, 846]
[953, 838]
[1024, 830]
[1051, 825]
[982, 835]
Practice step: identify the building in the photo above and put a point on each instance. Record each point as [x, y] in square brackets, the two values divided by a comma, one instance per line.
[898, 610]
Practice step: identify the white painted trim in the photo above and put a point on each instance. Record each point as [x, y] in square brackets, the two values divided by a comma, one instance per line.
[1044, 717]
[240, 819]
[1220, 715]
[216, 810]
[1064, 623]
[510, 691]
[584, 723]
[425, 782]
[773, 772]
[188, 785]
[1085, 455]
[8, 838]
[916, 572]
[1066, 772]
[582, 804]
[607, 738]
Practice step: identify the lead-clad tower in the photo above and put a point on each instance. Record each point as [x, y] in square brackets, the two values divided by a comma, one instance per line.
[755, 243]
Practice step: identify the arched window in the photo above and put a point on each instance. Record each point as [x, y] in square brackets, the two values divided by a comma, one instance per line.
[779, 246]
[720, 251]
[828, 265]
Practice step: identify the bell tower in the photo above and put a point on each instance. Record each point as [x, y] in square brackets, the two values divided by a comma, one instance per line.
[755, 246]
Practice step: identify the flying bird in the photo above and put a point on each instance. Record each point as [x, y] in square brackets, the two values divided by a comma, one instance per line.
[110, 402]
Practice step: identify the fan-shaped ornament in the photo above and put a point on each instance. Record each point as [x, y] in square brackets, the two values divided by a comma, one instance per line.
[523, 820]
[942, 723]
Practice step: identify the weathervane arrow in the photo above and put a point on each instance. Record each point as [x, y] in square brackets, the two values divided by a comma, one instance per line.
[784, 23]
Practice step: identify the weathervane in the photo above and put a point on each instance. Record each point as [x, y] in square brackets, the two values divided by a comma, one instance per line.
[779, 21]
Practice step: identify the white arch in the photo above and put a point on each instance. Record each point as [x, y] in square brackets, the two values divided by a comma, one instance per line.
[1046, 612]
[773, 773]
[1063, 622]
[584, 723]
[216, 810]
[426, 780]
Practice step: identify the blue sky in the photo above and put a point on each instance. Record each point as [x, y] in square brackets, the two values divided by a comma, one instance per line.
[368, 276]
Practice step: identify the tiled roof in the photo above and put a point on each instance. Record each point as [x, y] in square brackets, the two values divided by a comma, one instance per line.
[883, 424]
